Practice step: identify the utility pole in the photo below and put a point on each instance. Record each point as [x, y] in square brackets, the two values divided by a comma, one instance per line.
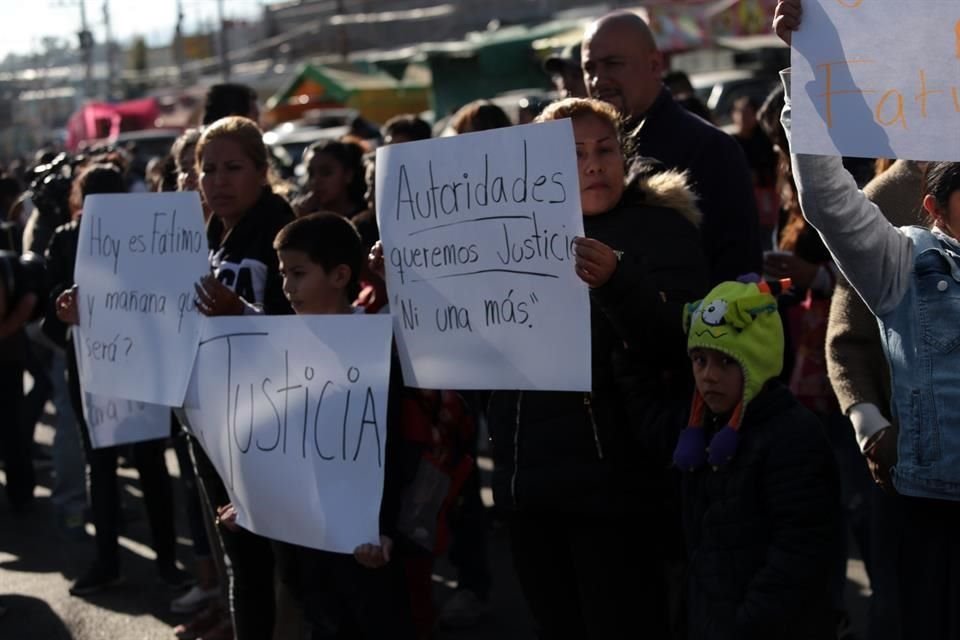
[86, 45]
[224, 55]
[178, 49]
[111, 59]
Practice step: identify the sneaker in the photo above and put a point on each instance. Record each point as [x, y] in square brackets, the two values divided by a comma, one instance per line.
[193, 600]
[174, 577]
[97, 578]
[463, 610]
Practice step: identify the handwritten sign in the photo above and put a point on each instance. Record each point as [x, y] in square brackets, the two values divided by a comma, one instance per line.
[292, 412]
[113, 421]
[138, 258]
[878, 78]
[477, 237]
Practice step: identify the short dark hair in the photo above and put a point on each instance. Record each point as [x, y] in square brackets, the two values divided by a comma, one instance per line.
[227, 99]
[329, 240]
[941, 180]
[407, 125]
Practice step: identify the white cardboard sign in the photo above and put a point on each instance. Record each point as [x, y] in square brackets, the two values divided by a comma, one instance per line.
[477, 234]
[292, 412]
[877, 78]
[112, 422]
[138, 258]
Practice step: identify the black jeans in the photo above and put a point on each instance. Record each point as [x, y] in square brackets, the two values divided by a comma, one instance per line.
[585, 577]
[148, 458]
[343, 600]
[929, 569]
[15, 440]
[249, 561]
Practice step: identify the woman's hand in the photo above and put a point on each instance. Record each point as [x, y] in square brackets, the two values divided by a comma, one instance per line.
[595, 261]
[784, 265]
[374, 556]
[67, 310]
[216, 299]
[786, 19]
[375, 260]
[227, 517]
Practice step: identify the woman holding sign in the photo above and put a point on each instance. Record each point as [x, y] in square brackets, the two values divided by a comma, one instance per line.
[106, 177]
[909, 277]
[245, 217]
[585, 475]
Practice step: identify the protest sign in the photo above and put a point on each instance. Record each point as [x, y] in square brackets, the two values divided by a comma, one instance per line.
[138, 258]
[477, 234]
[877, 78]
[292, 413]
[112, 422]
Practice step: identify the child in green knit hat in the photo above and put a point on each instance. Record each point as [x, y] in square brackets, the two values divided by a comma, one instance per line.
[761, 492]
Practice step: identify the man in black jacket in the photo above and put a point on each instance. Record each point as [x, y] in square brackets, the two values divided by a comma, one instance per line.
[622, 66]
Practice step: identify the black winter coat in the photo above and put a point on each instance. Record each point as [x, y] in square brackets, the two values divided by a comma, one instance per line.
[719, 175]
[762, 532]
[605, 452]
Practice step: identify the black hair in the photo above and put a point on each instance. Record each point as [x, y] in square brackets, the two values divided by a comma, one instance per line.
[407, 125]
[329, 240]
[941, 179]
[228, 99]
[350, 156]
[103, 177]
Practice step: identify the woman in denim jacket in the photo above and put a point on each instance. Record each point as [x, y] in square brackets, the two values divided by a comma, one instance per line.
[909, 277]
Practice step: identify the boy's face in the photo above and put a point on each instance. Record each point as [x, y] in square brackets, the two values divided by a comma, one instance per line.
[309, 287]
[719, 379]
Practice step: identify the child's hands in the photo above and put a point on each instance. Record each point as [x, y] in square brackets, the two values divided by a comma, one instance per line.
[216, 299]
[375, 260]
[374, 556]
[227, 517]
[786, 19]
[595, 261]
[67, 306]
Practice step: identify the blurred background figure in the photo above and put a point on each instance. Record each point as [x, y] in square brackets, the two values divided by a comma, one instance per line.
[564, 71]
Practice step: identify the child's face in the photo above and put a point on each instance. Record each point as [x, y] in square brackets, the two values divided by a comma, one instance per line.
[309, 287]
[719, 379]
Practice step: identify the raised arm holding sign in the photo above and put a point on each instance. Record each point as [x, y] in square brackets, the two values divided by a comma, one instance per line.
[876, 78]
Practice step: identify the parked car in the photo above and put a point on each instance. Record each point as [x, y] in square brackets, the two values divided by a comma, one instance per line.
[720, 89]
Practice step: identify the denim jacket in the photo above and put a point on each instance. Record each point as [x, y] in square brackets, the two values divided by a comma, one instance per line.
[921, 338]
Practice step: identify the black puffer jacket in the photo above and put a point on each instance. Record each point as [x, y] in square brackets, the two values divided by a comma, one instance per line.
[763, 531]
[605, 452]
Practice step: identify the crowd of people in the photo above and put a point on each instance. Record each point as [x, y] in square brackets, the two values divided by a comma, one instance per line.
[746, 415]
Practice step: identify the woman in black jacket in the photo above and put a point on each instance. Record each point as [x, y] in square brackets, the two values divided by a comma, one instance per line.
[584, 475]
[246, 216]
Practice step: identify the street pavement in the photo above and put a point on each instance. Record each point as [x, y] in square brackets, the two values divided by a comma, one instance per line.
[37, 565]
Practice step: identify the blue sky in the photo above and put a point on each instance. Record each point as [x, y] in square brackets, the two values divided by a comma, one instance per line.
[28, 21]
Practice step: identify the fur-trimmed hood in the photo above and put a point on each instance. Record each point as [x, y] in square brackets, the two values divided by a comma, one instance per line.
[649, 183]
